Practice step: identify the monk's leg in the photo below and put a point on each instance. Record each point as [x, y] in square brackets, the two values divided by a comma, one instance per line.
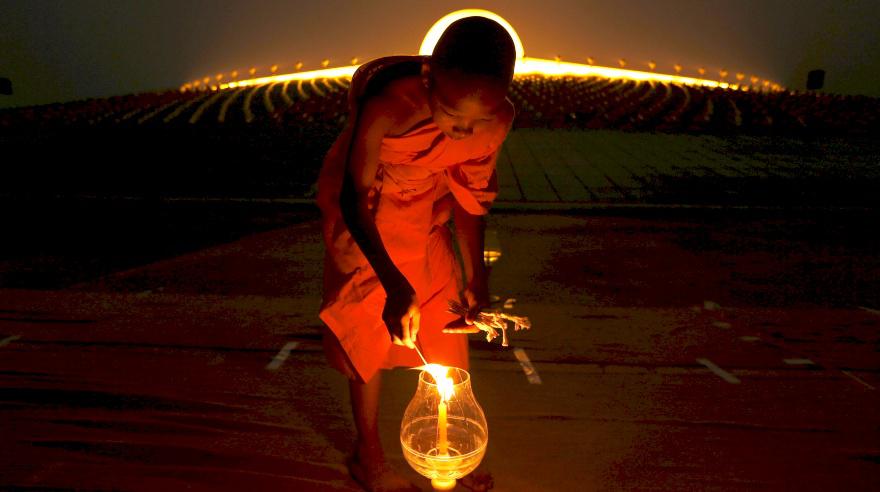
[368, 466]
[365, 407]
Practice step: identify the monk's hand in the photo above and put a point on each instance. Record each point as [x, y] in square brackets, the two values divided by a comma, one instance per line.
[402, 316]
[477, 297]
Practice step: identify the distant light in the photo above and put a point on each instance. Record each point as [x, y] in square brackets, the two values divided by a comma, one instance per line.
[754, 80]
[722, 73]
[740, 76]
[555, 67]
[219, 76]
[234, 74]
[253, 71]
[206, 80]
[437, 29]
[329, 73]
[274, 68]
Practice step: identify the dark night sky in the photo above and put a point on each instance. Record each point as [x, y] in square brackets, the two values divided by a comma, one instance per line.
[60, 50]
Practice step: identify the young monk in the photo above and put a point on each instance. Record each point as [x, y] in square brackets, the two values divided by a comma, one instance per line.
[419, 149]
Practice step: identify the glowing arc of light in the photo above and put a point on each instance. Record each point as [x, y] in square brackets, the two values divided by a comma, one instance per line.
[437, 29]
[524, 66]
[331, 73]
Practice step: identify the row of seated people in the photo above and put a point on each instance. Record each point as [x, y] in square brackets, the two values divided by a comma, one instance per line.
[85, 112]
[569, 102]
[174, 106]
[554, 102]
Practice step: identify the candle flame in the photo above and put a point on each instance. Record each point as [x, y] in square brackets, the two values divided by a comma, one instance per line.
[445, 385]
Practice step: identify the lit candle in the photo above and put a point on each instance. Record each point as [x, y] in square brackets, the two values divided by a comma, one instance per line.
[443, 444]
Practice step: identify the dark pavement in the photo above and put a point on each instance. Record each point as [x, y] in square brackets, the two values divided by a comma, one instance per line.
[677, 350]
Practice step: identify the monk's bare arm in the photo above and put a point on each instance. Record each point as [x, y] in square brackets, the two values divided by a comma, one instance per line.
[374, 122]
[470, 233]
[401, 313]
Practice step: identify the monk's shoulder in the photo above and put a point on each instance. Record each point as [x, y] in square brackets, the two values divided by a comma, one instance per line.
[394, 104]
[405, 98]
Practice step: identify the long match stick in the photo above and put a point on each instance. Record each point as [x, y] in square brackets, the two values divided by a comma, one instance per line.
[420, 353]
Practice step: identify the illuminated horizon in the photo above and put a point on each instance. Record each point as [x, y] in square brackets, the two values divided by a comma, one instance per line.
[524, 66]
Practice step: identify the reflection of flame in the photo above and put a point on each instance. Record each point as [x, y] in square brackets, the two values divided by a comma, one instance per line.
[491, 256]
[445, 386]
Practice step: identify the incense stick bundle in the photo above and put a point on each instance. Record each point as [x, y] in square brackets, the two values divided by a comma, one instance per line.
[492, 321]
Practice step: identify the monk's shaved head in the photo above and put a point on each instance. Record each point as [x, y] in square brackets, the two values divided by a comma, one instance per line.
[476, 46]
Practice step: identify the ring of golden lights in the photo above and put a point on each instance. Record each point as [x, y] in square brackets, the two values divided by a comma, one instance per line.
[437, 29]
[524, 65]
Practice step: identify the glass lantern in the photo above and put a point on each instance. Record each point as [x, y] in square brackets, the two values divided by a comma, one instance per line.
[444, 432]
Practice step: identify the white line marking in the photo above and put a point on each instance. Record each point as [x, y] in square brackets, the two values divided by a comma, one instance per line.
[527, 367]
[870, 310]
[798, 362]
[721, 373]
[749, 338]
[858, 379]
[281, 356]
[6, 341]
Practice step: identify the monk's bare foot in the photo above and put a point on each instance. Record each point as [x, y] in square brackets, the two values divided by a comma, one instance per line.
[478, 481]
[378, 476]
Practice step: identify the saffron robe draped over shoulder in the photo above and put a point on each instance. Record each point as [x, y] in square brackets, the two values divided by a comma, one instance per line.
[419, 175]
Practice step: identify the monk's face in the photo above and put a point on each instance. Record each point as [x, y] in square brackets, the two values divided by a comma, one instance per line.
[463, 105]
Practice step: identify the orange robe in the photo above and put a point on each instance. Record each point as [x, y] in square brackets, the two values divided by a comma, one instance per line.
[420, 173]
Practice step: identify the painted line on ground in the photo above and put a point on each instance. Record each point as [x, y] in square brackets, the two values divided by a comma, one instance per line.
[798, 362]
[858, 379]
[721, 373]
[527, 367]
[281, 356]
[6, 341]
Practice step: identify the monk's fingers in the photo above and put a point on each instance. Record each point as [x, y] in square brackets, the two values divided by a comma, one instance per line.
[416, 321]
[472, 329]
